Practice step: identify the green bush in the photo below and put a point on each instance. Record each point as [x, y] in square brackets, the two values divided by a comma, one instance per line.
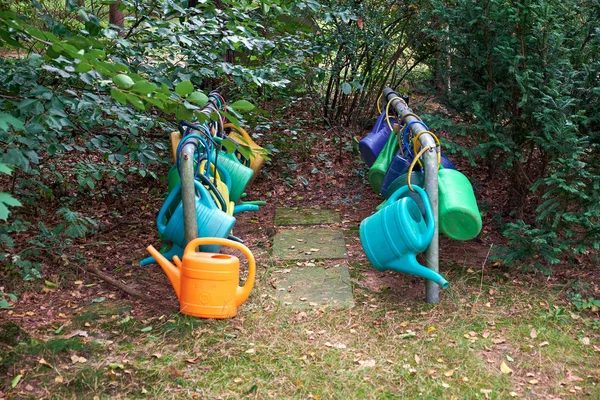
[524, 81]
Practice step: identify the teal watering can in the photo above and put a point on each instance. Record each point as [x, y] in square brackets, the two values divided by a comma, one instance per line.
[212, 222]
[392, 237]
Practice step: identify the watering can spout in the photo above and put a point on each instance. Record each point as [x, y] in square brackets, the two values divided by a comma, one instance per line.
[173, 271]
[408, 264]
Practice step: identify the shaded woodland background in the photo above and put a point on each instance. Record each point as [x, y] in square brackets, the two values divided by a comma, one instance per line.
[516, 88]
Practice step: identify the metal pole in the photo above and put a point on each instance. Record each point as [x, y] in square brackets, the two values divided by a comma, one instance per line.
[188, 190]
[432, 289]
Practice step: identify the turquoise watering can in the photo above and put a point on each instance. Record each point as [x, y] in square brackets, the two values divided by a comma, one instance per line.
[212, 222]
[392, 237]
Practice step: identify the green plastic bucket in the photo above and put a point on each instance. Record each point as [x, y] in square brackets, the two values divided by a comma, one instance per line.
[459, 216]
[382, 163]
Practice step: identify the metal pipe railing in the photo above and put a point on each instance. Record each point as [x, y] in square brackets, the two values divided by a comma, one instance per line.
[432, 289]
[188, 190]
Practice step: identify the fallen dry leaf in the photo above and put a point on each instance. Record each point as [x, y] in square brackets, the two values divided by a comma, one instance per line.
[533, 333]
[367, 363]
[449, 373]
[533, 381]
[545, 343]
[59, 379]
[417, 359]
[498, 340]
[250, 351]
[505, 368]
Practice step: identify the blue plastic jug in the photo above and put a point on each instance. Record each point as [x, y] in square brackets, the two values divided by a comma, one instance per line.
[392, 237]
[399, 166]
[370, 146]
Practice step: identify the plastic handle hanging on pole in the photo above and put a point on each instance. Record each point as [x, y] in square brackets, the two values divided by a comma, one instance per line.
[431, 183]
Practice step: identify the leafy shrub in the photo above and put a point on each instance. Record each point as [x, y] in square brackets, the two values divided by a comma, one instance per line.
[523, 79]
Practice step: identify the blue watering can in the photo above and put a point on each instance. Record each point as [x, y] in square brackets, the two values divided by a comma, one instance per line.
[392, 237]
[372, 144]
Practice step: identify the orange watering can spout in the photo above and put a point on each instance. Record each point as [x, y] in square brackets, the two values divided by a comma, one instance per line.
[173, 271]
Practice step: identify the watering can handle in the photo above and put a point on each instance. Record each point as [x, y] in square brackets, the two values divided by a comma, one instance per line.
[244, 291]
[404, 190]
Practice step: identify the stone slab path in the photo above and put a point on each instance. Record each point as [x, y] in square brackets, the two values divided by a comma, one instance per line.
[309, 243]
[305, 285]
[305, 216]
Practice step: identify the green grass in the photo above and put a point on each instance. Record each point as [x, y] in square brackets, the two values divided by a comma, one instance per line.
[381, 349]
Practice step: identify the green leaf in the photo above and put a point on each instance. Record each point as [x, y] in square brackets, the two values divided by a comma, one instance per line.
[184, 88]
[123, 81]
[7, 119]
[50, 284]
[346, 88]
[183, 113]
[242, 105]
[98, 299]
[146, 329]
[16, 380]
[135, 101]
[118, 96]
[144, 87]
[5, 169]
[83, 67]
[6, 200]
[229, 145]
[197, 98]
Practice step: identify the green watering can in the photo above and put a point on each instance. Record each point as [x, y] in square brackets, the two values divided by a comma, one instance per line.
[459, 216]
[392, 237]
[382, 163]
[240, 174]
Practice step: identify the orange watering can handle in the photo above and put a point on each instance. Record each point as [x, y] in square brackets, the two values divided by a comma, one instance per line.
[243, 292]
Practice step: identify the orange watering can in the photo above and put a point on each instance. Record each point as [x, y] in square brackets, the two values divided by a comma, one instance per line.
[206, 284]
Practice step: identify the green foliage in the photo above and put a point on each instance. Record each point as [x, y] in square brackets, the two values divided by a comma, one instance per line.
[582, 304]
[5, 298]
[366, 46]
[524, 78]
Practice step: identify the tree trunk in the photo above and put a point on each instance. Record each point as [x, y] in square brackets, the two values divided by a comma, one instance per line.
[115, 16]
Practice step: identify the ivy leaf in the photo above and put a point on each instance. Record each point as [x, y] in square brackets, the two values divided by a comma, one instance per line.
[184, 88]
[243, 105]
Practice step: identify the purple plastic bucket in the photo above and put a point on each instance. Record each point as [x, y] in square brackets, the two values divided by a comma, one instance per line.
[370, 146]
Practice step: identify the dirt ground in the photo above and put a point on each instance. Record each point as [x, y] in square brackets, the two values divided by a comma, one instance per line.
[326, 175]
